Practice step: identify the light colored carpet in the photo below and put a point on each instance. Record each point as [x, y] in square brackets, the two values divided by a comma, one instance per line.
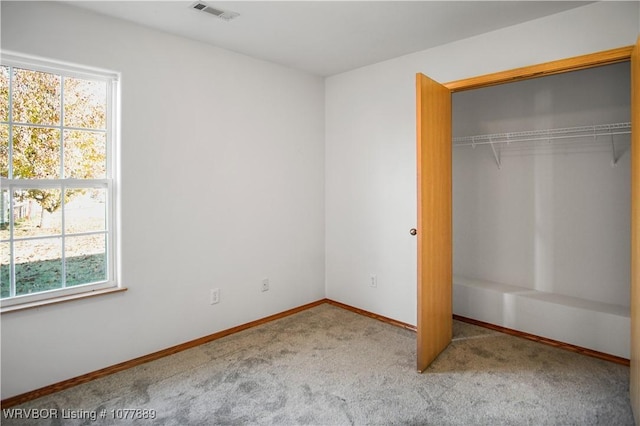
[329, 366]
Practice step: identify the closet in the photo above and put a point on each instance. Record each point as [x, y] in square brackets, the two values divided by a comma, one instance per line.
[541, 206]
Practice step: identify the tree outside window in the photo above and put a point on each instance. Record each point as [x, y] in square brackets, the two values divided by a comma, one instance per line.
[55, 167]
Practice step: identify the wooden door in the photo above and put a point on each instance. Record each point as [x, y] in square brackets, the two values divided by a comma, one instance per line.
[435, 316]
[635, 232]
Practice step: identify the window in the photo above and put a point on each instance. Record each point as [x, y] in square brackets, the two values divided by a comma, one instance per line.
[57, 169]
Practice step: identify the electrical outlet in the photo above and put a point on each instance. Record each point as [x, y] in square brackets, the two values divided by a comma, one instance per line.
[265, 284]
[373, 281]
[214, 296]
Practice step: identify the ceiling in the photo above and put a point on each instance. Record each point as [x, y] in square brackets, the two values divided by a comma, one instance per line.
[329, 37]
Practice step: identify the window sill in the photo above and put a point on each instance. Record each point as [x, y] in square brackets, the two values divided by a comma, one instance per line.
[61, 299]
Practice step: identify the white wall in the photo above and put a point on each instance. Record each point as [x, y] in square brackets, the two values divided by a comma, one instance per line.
[370, 145]
[222, 185]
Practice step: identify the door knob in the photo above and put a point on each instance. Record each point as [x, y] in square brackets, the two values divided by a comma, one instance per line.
[413, 231]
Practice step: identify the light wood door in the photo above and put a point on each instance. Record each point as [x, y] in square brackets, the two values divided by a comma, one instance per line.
[433, 121]
[635, 232]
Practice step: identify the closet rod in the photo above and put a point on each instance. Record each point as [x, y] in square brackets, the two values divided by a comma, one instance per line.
[545, 135]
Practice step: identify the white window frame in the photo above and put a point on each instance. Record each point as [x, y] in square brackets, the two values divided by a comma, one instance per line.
[109, 183]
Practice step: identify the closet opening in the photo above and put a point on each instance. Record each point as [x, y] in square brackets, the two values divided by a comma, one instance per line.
[542, 207]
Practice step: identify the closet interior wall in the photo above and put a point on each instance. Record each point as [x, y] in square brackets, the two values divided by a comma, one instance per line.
[542, 229]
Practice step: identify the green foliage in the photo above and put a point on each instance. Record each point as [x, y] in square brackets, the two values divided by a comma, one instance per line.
[4, 116]
[4, 150]
[50, 199]
[85, 154]
[84, 104]
[37, 151]
[36, 97]
[4, 93]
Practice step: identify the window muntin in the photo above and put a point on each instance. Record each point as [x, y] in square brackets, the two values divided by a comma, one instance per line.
[57, 168]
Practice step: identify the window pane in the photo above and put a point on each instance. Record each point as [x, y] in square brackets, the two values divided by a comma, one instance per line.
[4, 214]
[36, 212]
[85, 210]
[85, 155]
[36, 153]
[86, 259]
[85, 103]
[36, 97]
[5, 271]
[38, 265]
[55, 133]
[4, 93]
[4, 150]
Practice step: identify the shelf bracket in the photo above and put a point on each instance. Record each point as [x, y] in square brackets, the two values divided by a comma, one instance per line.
[495, 154]
[614, 157]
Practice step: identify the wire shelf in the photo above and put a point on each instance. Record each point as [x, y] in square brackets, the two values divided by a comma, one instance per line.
[545, 135]
[497, 141]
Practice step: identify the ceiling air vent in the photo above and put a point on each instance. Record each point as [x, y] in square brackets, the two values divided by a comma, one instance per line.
[222, 14]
